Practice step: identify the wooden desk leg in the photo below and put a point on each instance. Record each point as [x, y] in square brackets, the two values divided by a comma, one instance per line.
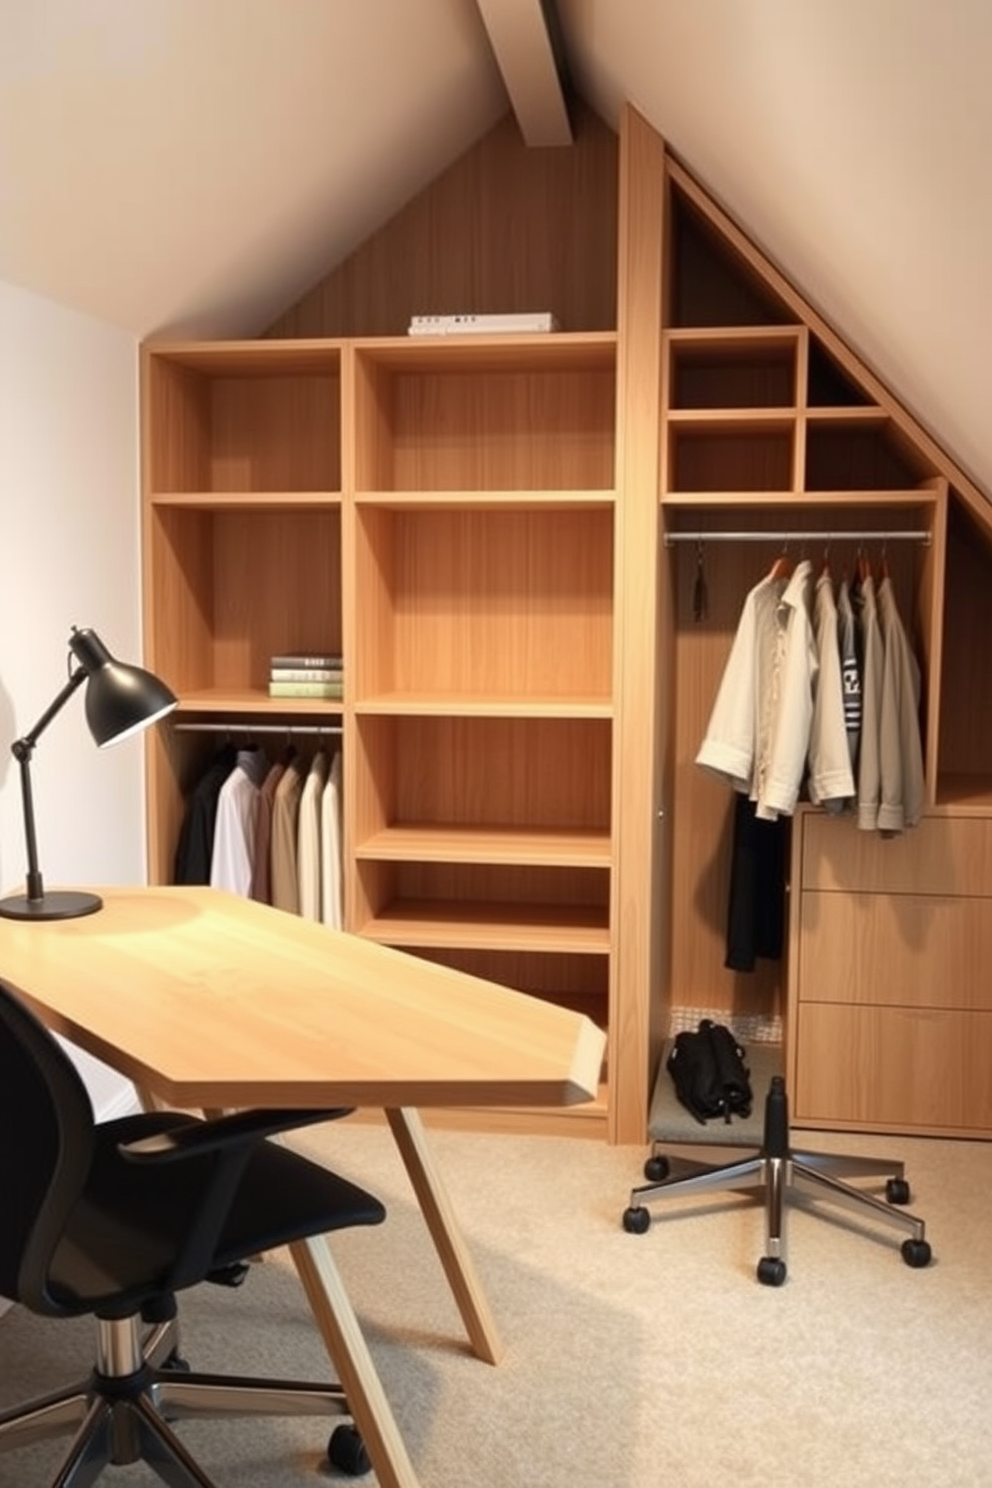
[411, 1139]
[353, 1363]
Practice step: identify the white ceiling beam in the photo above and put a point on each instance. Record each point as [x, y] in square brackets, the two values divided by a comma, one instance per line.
[525, 54]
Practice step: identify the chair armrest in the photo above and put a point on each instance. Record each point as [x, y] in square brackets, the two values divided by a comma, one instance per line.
[194, 1138]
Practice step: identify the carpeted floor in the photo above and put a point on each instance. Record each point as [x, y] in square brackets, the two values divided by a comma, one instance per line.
[631, 1361]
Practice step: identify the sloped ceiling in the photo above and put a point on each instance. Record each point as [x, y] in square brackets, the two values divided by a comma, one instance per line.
[193, 166]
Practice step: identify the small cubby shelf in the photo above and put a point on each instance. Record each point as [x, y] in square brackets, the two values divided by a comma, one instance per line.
[765, 409]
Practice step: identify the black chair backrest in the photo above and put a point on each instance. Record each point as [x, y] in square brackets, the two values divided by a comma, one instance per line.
[46, 1145]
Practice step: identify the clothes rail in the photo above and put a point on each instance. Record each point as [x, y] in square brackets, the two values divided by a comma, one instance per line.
[257, 728]
[911, 535]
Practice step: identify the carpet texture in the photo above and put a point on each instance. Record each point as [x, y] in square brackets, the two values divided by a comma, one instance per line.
[631, 1361]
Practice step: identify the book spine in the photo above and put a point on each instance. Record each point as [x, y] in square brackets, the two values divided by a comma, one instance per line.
[306, 674]
[300, 662]
[306, 689]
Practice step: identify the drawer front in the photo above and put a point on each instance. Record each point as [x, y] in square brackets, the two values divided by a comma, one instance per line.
[895, 1068]
[943, 855]
[896, 950]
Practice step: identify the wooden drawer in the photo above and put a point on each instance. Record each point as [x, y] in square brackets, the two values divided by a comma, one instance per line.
[905, 950]
[894, 1068]
[943, 855]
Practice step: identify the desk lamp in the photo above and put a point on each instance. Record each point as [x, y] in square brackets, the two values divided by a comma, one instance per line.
[120, 700]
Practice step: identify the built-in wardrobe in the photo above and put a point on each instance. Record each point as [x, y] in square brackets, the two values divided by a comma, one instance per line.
[507, 538]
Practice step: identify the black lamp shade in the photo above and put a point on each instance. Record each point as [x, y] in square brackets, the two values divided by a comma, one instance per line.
[120, 699]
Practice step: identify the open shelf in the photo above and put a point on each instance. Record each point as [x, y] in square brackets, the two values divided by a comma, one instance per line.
[225, 606]
[244, 417]
[474, 604]
[454, 843]
[485, 414]
[490, 925]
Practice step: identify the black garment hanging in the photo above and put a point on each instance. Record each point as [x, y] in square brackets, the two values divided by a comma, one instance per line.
[756, 909]
[195, 848]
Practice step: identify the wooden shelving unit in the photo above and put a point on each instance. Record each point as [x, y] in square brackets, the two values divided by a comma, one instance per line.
[496, 532]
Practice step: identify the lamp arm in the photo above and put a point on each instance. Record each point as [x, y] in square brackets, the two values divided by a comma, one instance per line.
[24, 747]
[22, 750]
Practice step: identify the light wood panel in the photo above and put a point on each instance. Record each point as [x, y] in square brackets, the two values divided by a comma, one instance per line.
[920, 951]
[506, 228]
[472, 603]
[893, 1069]
[522, 777]
[637, 1005]
[944, 855]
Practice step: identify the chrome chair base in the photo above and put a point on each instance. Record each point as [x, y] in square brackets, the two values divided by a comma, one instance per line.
[780, 1172]
[121, 1412]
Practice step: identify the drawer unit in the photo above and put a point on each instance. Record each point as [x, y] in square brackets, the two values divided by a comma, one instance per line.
[890, 997]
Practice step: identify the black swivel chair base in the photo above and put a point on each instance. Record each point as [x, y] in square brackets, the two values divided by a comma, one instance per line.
[121, 1412]
[779, 1170]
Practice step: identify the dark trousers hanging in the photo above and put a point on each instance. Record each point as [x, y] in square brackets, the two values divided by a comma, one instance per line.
[756, 910]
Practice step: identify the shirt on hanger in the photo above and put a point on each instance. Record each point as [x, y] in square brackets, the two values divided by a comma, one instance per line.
[261, 877]
[237, 814]
[850, 670]
[331, 849]
[873, 660]
[308, 837]
[195, 848]
[790, 700]
[901, 785]
[285, 816]
[831, 780]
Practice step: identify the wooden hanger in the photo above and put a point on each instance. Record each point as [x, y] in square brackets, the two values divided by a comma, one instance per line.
[781, 568]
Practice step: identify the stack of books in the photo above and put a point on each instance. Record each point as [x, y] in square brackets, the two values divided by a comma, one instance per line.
[300, 675]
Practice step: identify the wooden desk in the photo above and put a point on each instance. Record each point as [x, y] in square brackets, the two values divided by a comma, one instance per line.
[207, 1000]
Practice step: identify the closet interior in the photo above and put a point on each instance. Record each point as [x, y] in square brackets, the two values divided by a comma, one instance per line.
[533, 552]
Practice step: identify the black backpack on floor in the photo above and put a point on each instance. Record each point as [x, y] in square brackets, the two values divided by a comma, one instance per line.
[709, 1073]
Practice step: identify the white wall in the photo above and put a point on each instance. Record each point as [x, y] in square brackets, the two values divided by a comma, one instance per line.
[69, 555]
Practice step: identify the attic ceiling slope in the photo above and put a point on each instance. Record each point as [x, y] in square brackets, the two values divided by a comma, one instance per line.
[851, 149]
[186, 168]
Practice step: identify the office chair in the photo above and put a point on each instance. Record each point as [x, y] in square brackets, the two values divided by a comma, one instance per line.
[113, 1219]
[783, 1174]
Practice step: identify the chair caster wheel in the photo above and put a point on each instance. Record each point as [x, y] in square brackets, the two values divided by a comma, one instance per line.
[771, 1271]
[656, 1169]
[346, 1450]
[897, 1191]
[177, 1364]
[636, 1220]
[916, 1253]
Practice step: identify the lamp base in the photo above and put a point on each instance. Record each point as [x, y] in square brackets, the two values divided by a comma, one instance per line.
[60, 905]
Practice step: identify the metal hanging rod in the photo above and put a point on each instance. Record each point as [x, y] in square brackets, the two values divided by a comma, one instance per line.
[911, 535]
[257, 728]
